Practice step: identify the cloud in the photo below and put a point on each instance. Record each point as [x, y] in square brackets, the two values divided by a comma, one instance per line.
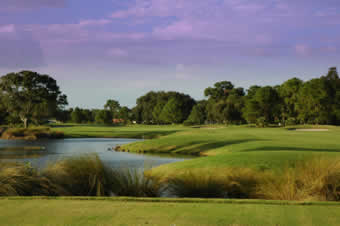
[22, 50]
[117, 52]
[99, 22]
[14, 5]
[9, 28]
[302, 50]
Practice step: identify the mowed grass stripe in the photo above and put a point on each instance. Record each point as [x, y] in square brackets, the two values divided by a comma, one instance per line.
[173, 200]
[97, 212]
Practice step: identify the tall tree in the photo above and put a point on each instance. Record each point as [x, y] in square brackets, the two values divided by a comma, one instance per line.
[77, 116]
[31, 96]
[113, 106]
[172, 111]
[332, 85]
[198, 114]
[103, 117]
[264, 102]
[125, 114]
[219, 91]
[289, 93]
[313, 101]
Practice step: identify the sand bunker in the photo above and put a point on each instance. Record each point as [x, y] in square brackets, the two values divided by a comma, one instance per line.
[312, 130]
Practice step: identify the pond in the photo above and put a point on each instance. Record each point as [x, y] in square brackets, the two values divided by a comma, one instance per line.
[40, 153]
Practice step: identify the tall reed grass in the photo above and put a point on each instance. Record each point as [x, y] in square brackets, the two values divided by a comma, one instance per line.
[81, 176]
[134, 182]
[33, 133]
[226, 183]
[317, 180]
[23, 180]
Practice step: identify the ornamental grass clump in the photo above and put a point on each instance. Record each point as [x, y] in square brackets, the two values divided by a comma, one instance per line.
[316, 180]
[81, 176]
[241, 183]
[196, 184]
[19, 179]
[221, 183]
[133, 182]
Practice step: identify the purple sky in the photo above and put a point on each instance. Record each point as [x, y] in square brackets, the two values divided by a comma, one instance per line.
[121, 49]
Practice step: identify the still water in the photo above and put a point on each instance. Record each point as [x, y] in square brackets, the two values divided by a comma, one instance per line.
[41, 152]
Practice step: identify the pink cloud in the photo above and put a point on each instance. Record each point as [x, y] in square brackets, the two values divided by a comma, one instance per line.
[302, 50]
[94, 22]
[10, 28]
[15, 5]
[109, 36]
[117, 52]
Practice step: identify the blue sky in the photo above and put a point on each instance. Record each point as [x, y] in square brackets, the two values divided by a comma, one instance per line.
[121, 49]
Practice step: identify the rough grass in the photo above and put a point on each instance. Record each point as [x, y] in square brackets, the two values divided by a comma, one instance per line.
[23, 180]
[317, 179]
[133, 182]
[33, 133]
[77, 176]
[81, 176]
[313, 180]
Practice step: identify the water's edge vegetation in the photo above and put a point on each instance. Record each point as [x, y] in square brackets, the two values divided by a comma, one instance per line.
[316, 180]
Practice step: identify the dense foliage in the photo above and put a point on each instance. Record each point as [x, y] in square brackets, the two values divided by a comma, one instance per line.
[163, 108]
[294, 102]
[30, 96]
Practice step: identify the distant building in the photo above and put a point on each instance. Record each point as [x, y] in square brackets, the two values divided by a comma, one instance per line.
[118, 120]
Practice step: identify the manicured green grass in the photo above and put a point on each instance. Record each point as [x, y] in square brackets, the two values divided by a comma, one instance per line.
[136, 131]
[111, 211]
[243, 146]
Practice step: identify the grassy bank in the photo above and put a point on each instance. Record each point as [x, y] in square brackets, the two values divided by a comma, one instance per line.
[111, 211]
[242, 146]
[87, 175]
[32, 133]
[99, 131]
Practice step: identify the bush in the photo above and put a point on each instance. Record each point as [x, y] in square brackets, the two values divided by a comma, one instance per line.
[33, 133]
[103, 117]
[261, 122]
[188, 123]
[291, 121]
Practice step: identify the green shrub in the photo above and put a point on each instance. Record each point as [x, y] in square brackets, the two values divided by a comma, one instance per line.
[188, 123]
[33, 133]
[261, 122]
[291, 121]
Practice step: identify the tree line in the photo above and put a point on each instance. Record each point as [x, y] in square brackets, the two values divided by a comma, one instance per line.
[30, 97]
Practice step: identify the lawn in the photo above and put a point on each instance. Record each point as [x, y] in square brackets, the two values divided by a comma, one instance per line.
[222, 146]
[111, 211]
[135, 131]
[243, 146]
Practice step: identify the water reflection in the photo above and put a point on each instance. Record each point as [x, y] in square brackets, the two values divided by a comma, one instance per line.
[42, 152]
